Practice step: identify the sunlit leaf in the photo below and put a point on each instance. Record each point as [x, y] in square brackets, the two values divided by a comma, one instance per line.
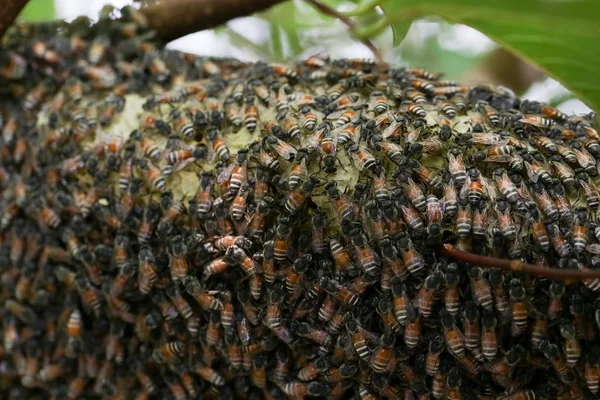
[559, 36]
[363, 6]
[38, 10]
[400, 29]
[276, 42]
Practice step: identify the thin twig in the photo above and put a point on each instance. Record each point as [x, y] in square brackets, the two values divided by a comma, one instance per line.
[332, 12]
[9, 10]
[172, 19]
[569, 276]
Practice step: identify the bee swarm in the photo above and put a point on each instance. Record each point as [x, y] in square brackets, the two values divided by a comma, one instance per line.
[179, 227]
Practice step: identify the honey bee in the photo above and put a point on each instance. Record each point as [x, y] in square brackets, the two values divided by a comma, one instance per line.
[153, 174]
[425, 296]
[572, 347]
[218, 146]
[519, 306]
[554, 355]
[505, 221]
[412, 331]
[453, 337]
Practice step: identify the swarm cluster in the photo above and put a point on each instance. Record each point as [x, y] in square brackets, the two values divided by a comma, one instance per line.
[176, 227]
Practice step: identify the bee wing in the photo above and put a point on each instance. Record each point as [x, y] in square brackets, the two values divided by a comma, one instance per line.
[241, 226]
[414, 134]
[593, 248]
[334, 139]
[359, 165]
[533, 176]
[584, 158]
[285, 150]
[391, 130]
[464, 190]
[371, 337]
[488, 188]
[225, 174]
[356, 134]
[184, 164]
[503, 158]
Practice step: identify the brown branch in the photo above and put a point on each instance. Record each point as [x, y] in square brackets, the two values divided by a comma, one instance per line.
[569, 276]
[172, 19]
[9, 10]
[332, 12]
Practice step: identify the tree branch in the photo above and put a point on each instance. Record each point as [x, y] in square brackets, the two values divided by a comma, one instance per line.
[172, 19]
[9, 9]
[569, 276]
[325, 9]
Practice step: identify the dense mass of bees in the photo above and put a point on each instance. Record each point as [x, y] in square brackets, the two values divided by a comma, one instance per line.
[175, 227]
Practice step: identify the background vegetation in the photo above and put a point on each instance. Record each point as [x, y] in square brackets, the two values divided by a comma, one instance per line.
[559, 37]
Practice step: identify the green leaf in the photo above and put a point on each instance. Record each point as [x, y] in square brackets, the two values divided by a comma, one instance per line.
[38, 10]
[363, 7]
[559, 36]
[399, 29]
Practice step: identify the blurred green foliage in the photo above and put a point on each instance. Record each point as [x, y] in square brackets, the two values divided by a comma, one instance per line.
[298, 30]
[558, 36]
[38, 10]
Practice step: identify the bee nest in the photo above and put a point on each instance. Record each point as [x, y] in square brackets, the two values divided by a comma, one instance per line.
[179, 227]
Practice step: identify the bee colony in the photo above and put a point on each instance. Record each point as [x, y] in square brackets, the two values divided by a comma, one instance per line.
[178, 227]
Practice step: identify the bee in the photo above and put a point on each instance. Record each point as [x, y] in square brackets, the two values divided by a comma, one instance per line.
[454, 381]
[432, 358]
[147, 275]
[554, 355]
[318, 336]
[218, 146]
[451, 291]
[591, 373]
[425, 296]
[238, 207]
[471, 326]
[283, 149]
[280, 244]
[250, 117]
[481, 288]
[557, 240]
[450, 196]
[294, 277]
[505, 221]
[378, 102]
[301, 389]
[400, 302]
[412, 259]
[449, 108]
[456, 166]
[537, 120]
[591, 192]
[341, 293]
[489, 111]
[359, 340]
[519, 306]
[392, 260]
[209, 374]
[489, 340]
[153, 174]
[281, 69]
[382, 354]
[572, 347]
[452, 336]
[412, 331]
[464, 220]
[342, 135]
[538, 230]
[295, 199]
